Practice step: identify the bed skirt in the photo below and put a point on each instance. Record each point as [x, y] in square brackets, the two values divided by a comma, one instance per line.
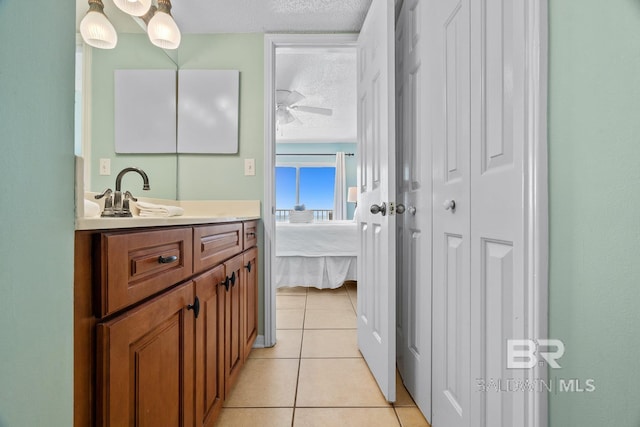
[326, 272]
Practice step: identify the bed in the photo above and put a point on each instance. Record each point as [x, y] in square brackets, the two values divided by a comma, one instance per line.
[318, 254]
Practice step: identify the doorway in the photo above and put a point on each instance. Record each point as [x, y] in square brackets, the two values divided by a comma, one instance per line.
[286, 109]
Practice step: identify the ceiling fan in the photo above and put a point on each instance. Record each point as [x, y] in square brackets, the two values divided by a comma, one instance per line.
[287, 105]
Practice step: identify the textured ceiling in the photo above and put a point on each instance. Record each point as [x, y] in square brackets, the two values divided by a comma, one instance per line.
[250, 16]
[239, 16]
[327, 78]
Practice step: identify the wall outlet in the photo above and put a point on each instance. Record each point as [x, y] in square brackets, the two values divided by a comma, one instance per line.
[249, 167]
[105, 166]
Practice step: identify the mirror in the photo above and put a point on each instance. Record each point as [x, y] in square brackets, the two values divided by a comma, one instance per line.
[95, 110]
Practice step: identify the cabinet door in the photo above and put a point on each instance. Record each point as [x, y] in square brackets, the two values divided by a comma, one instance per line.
[210, 346]
[145, 369]
[250, 290]
[233, 324]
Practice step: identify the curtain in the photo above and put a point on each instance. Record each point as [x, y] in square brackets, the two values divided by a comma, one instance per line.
[339, 193]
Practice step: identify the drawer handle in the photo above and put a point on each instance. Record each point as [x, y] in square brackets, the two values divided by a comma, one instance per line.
[225, 283]
[251, 234]
[233, 278]
[248, 266]
[195, 307]
[167, 259]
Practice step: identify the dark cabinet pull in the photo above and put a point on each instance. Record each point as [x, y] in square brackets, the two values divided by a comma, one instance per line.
[233, 278]
[248, 266]
[167, 259]
[195, 307]
[251, 234]
[225, 283]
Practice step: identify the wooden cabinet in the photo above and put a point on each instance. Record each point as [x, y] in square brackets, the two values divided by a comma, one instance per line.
[210, 384]
[164, 321]
[250, 300]
[250, 234]
[212, 244]
[145, 369]
[233, 321]
[134, 266]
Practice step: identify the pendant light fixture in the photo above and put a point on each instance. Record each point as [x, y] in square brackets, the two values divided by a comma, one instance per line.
[162, 29]
[133, 7]
[96, 29]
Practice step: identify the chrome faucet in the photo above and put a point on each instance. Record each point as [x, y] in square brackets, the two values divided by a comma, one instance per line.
[114, 205]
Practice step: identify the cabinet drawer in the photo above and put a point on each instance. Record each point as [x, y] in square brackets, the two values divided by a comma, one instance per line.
[213, 244]
[134, 266]
[250, 234]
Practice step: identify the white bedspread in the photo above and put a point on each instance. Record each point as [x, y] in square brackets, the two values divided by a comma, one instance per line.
[331, 238]
[321, 254]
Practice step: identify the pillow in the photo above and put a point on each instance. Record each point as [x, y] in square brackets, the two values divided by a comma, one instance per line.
[300, 216]
[299, 207]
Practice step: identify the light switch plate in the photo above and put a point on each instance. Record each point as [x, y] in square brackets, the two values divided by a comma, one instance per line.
[249, 167]
[105, 166]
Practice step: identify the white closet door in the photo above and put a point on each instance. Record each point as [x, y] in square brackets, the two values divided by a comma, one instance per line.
[450, 94]
[477, 60]
[376, 183]
[499, 295]
[414, 185]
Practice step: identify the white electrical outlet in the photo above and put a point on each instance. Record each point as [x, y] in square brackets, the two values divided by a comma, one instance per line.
[105, 166]
[249, 167]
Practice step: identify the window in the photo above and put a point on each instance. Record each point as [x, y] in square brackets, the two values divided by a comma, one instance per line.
[308, 185]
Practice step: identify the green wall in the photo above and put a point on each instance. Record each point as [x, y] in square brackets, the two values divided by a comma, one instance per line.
[218, 176]
[594, 161]
[134, 51]
[36, 213]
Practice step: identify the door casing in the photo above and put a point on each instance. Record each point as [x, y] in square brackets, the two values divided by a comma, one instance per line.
[271, 43]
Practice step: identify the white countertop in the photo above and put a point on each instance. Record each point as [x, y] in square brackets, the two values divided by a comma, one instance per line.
[99, 223]
[195, 212]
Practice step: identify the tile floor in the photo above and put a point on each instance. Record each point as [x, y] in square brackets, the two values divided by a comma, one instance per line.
[314, 376]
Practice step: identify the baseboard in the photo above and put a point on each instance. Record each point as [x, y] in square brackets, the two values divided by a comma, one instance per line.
[259, 342]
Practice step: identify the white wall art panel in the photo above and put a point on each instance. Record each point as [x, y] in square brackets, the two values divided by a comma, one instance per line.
[145, 111]
[208, 111]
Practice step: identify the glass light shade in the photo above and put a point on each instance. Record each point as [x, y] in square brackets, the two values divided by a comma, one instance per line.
[163, 31]
[133, 7]
[97, 31]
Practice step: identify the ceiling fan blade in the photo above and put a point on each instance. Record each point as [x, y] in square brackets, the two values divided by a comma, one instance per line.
[283, 116]
[294, 96]
[314, 110]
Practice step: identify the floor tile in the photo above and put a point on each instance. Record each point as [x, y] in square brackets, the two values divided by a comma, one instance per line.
[265, 383]
[341, 417]
[328, 301]
[331, 343]
[337, 291]
[287, 346]
[354, 302]
[337, 383]
[290, 301]
[330, 319]
[246, 417]
[296, 290]
[403, 398]
[289, 318]
[411, 417]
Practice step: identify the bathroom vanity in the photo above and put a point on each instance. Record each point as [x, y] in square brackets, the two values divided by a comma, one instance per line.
[165, 317]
